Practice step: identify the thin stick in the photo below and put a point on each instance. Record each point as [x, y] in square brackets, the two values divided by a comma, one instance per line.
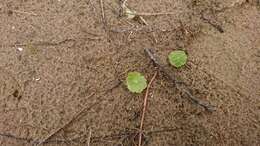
[150, 14]
[89, 136]
[22, 12]
[45, 43]
[215, 25]
[94, 139]
[145, 23]
[144, 108]
[177, 83]
[102, 11]
[15, 137]
[86, 108]
[143, 20]
[103, 19]
[69, 122]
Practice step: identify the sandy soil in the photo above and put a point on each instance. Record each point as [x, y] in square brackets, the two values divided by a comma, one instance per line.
[58, 57]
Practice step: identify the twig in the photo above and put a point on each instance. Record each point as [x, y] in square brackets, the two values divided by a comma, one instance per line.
[215, 25]
[150, 14]
[89, 136]
[144, 108]
[102, 9]
[22, 12]
[70, 121]
[44, 43]
[93, 139]
[15, 137]
[177, 83]
[103, 19]
[145, 23]
[46, 139]
[143, 20]
[86, 108]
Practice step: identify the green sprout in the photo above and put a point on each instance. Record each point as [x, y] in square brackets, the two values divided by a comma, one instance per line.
[177, 58]
[136, 82]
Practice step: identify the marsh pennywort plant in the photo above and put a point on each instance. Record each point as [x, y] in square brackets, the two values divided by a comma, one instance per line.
[178, 58]
[136, 82]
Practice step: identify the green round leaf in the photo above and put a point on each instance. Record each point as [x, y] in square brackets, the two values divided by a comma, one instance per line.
[136, 82]
[177, 58]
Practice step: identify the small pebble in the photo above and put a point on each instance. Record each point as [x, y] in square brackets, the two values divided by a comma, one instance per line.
[20, 49]
[37, 79]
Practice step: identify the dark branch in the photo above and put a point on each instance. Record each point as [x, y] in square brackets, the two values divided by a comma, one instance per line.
[185, 90]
